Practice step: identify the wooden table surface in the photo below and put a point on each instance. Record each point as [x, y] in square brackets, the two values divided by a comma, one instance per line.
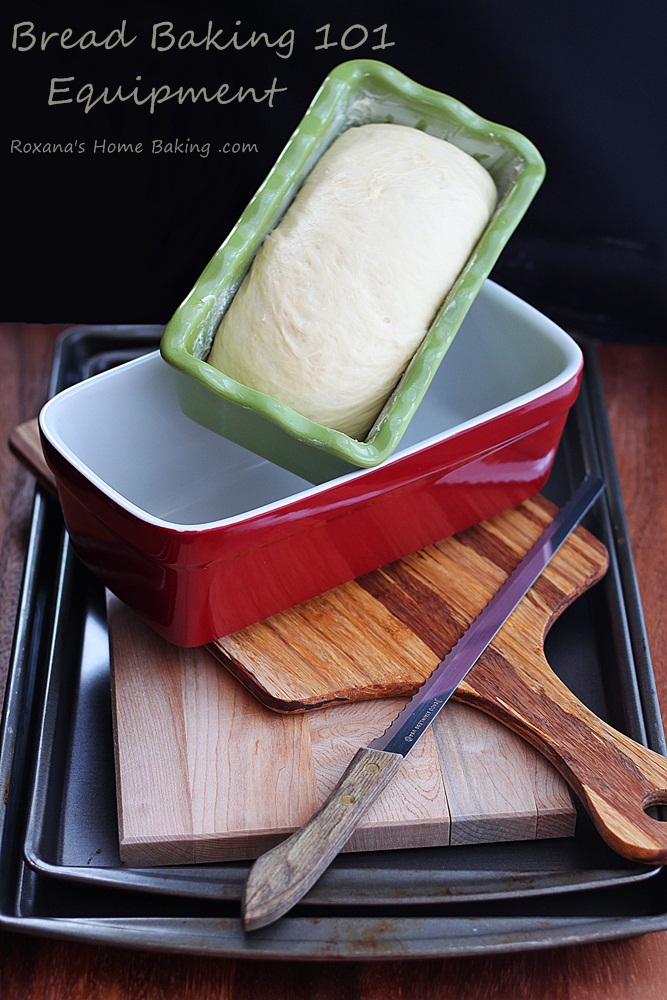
[635, 382]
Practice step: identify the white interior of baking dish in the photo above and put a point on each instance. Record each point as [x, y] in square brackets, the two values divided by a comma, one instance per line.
[124, 429]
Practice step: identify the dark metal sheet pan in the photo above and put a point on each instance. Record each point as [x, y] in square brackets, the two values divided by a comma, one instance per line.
[72, 831]
[59, 868]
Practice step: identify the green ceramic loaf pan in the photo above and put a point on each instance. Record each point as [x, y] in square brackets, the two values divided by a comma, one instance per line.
[355, 93]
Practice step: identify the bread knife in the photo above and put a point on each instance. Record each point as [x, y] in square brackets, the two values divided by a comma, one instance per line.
[283, 875]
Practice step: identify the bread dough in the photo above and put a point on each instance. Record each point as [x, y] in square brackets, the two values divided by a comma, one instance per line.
[343, 290]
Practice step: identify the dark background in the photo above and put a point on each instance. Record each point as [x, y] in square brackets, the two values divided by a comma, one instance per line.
[97, 238]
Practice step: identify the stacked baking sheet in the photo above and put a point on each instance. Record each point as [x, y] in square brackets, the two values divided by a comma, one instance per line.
[60, 872]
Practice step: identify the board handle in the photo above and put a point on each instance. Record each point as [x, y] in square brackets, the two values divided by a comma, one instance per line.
[283, 875]
[616, 779]
[26, 445]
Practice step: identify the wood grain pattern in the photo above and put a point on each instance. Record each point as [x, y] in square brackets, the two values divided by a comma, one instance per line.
[616, 778]
[25, 444]
[382, 635]
[205, 772]
[279, 879]
[535, 785]
[181, 795]
[308, 655]
[417, 812]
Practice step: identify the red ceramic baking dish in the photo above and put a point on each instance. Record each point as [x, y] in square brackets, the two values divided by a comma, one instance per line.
[202, 537]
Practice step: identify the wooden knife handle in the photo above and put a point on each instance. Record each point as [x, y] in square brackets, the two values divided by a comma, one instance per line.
[283, 875]
[616, 778]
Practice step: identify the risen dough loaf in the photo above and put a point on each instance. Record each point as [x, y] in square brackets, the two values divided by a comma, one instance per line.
[342, 292]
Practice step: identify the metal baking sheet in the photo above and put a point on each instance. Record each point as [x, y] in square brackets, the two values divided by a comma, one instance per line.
[60, 873]
[72, 823]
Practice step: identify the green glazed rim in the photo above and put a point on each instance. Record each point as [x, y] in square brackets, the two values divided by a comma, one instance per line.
[354, 93]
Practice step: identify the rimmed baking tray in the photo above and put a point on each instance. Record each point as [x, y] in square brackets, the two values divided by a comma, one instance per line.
[59, 868]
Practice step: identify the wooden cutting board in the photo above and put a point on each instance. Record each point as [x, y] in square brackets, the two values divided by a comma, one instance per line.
[207, 772]
[381, 635]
